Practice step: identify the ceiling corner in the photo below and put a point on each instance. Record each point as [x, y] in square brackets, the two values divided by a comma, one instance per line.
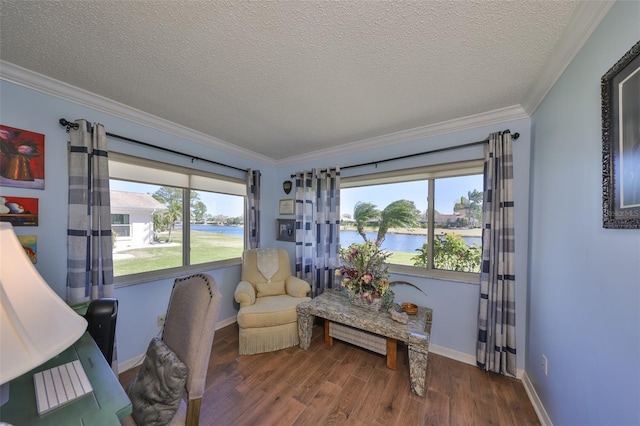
[586, 19]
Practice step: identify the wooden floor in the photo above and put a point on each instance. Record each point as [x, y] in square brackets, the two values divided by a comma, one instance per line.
[347, 385]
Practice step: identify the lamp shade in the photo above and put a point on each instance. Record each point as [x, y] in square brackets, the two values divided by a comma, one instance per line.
[35, 323]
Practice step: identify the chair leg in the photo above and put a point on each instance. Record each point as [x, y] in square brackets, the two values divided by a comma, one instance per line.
[193, 412]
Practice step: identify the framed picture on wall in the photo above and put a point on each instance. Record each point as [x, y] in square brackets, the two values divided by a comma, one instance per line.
[21, 158]
[286, 230]
[19, 211]
[287, 206]
[621, 143]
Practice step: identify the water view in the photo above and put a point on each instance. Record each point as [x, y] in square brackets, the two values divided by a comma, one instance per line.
[392, 242]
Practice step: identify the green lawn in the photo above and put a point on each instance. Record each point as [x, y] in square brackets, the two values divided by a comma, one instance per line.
[205, 247]
[401, 257]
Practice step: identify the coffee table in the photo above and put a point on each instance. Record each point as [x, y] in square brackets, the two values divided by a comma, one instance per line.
[334, 307]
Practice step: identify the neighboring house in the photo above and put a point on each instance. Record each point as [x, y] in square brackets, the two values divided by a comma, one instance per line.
[440, 220]
[132, 218]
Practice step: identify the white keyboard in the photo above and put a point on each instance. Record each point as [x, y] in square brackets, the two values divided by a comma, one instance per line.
[59, 385]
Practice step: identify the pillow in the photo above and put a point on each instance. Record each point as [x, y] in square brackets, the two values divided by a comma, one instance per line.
[156, 391]
[273, 288]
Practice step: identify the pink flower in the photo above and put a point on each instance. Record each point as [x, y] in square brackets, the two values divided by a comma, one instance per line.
[367, 278]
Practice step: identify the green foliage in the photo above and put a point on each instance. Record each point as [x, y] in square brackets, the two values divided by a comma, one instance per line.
[401, 213]
[451, 253]
[362, 214]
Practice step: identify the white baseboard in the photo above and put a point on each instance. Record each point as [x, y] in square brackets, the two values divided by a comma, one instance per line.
[462, 357]
[544, 418]
[136, 360]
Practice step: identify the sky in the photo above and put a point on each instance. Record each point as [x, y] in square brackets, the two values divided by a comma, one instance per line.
[448, 191]
[227, 205]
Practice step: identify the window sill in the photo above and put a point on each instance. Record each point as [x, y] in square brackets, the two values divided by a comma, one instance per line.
[145, 277]
[413, 271]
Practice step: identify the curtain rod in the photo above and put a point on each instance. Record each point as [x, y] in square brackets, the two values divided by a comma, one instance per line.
[433, 151]
[68, 124]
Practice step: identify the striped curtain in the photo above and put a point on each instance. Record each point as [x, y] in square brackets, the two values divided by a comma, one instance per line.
[89, 243]
[252, 214]
[496, 346]
[317, 227]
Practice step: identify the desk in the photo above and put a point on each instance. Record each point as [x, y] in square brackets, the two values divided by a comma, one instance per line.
[106, 405]
[333, 305]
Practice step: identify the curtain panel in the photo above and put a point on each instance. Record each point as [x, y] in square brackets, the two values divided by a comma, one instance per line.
[317, 210]
[89, 240]
[252, 213]
[496, 345]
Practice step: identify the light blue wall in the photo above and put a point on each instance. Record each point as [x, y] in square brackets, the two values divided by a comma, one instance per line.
[455, 304]
[584, 298]
[139, 305]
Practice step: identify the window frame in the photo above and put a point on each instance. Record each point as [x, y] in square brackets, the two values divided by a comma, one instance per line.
[201, 179]
[128, 225]
[429, 174]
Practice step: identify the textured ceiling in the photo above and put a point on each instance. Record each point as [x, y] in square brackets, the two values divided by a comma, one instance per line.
[287, 78]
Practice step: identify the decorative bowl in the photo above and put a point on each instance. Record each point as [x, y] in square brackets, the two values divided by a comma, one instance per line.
[410, 308]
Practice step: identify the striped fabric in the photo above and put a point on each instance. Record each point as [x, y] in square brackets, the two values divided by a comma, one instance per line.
[317, 227]
[89, 255]
[252, 214]
[496, 346]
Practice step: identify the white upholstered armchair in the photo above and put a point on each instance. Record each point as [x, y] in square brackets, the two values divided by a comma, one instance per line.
[268, 295]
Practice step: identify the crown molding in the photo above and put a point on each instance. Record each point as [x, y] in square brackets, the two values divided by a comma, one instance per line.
[515, 112]
[586, 19]
[50, 86]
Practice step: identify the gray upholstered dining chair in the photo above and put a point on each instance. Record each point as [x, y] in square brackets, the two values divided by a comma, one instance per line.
[188, 334]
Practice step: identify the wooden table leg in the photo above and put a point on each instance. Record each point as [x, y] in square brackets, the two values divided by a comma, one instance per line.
[328, 340]
[392, 353]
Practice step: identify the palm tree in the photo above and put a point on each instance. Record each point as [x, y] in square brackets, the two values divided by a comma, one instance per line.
[362, 214]
[172, 199]
[399, 214]
[475, 207]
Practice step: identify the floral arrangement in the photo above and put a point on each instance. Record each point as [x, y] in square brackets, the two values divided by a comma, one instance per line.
[364, 272]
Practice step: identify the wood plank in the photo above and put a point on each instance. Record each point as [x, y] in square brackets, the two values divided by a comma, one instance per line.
[389, 405]
[347, 385]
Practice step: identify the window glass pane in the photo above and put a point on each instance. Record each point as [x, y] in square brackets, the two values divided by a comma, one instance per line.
[458, 223]
[153, 241]
[381, 209]
[217, 226]
[401, 239]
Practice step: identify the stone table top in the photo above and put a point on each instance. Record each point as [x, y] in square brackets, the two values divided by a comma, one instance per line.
[334, 305]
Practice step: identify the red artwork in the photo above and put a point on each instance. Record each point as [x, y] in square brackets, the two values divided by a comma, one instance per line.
[21, 158]
[19, 211]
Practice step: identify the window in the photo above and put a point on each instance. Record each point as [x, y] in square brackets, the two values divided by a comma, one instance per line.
[120, 225]
[428, 218]
[175, 218]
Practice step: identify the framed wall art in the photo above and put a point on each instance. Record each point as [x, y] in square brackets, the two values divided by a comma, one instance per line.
[19, 211]
[287, 206]
[21, 158]
[286, 230]
[30, 246]
[620, 88]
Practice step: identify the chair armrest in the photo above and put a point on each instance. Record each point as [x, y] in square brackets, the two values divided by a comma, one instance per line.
[245, 294]
[297, 287]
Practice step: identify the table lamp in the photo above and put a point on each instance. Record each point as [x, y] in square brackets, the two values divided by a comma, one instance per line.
[35, 323]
